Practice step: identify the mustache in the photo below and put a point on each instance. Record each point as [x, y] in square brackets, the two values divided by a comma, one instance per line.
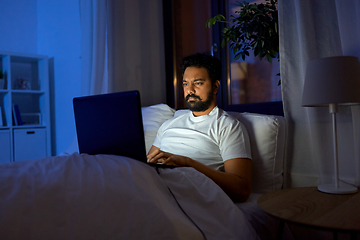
[192, 96]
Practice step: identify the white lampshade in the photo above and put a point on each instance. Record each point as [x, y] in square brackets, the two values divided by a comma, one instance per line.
[332, 80]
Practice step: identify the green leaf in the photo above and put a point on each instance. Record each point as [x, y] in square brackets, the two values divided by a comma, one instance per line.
[269, 58]
[212, 21]
[252, 27]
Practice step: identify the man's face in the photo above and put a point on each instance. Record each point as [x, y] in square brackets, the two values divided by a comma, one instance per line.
[199, 92]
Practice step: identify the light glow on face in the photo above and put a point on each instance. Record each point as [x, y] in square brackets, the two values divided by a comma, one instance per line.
[198, 89]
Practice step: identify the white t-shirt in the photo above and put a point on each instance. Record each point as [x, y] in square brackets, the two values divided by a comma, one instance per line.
[210, 139]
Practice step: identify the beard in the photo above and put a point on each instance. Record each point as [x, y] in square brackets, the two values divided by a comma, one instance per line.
[199, 105]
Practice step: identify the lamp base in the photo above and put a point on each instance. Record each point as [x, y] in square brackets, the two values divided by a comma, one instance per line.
[342, 189]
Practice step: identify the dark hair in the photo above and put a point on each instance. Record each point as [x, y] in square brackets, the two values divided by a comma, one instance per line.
[211, 63]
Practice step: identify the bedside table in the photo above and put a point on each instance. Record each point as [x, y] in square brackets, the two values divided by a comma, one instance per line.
[309, 207]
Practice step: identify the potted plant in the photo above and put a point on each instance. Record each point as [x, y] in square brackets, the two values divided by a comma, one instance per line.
[255, 27]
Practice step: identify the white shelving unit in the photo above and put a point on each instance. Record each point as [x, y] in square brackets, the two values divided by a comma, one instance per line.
[27, 86]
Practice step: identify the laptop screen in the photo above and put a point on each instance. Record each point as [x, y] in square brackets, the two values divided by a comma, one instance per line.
[110, 124]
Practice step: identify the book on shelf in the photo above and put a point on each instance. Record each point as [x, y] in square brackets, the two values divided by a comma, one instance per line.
[14, 117]
[17, 115]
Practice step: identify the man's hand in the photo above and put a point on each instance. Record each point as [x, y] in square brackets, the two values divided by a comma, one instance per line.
[157, 156]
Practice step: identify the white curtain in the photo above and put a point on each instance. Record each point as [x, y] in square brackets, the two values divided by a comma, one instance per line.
[122, 48]
[309, 30]
[94, 71]
[94, 60]
[136, 49]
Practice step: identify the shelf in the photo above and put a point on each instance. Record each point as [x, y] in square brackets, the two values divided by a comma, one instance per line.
[27, 87]
[26, 59]
[28, 126]
[27, 91]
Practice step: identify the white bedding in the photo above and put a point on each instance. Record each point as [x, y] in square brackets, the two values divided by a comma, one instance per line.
[265, 225]
[113, 197]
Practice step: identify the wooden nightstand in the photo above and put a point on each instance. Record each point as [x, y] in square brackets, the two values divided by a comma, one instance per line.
[309, 207]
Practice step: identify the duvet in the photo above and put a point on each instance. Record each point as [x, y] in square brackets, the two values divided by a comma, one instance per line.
[113, 197]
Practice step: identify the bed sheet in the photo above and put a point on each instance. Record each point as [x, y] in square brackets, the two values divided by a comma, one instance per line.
[265, 225]
[113, 197]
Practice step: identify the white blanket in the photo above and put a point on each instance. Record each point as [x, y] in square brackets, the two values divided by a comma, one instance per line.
[113, 197]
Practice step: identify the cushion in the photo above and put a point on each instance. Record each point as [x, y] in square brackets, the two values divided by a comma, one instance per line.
[267, 139]
[153, 116]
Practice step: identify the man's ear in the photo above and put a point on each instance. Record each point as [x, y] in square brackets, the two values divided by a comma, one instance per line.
[216, 86]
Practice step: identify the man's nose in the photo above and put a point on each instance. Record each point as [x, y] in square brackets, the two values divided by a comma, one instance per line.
[191, 89]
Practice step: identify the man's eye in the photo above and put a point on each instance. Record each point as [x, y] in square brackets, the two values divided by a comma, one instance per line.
[198, 83]
[184, 84]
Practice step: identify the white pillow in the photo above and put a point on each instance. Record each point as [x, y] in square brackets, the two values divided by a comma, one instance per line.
[153, 116]
[267, 139]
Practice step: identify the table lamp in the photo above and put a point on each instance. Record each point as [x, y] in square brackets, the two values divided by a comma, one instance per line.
[330, 82]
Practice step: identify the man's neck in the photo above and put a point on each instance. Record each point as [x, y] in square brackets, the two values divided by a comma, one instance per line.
[206, 112]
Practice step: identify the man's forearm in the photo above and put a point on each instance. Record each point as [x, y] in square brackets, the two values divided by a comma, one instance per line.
[236, 187]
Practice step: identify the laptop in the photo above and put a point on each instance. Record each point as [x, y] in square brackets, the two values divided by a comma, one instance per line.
[111, 124]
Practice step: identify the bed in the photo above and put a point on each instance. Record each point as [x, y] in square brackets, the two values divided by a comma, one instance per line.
[79, 196]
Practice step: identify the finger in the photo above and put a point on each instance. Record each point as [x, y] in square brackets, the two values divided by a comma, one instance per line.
[158, 156]
[169, 161]
[161, 160]
[155, 158]
[154, 153]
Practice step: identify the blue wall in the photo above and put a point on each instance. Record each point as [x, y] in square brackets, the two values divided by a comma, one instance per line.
[18, 21]
[49, 28]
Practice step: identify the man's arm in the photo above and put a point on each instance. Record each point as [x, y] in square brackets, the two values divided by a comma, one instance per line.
[235, 181]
